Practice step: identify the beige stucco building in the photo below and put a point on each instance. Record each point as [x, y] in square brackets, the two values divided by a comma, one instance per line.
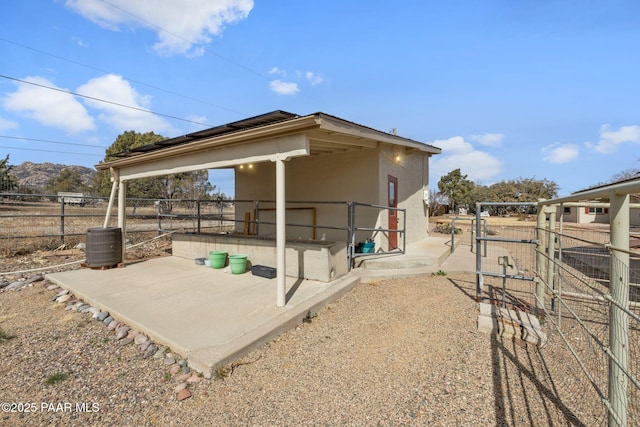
[301, 183]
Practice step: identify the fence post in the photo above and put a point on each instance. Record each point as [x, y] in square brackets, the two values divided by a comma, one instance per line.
[62, 220]
[198, 213]
[540, 260]
[479, 277]
[551, 253]
[158, 203]
[618, 317]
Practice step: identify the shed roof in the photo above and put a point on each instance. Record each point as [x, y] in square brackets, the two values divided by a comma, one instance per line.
[326, 134]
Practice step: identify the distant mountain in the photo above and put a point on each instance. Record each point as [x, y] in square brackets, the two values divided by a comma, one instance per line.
[36, 175]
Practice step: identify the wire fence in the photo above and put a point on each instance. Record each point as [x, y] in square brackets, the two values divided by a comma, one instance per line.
[32, 222]
[580, 309]
[585, 289]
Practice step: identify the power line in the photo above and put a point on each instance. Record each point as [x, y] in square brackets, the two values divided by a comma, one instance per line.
[51, 151]
[104, 101]
[91, 67]
[191, 43]
[50, 141]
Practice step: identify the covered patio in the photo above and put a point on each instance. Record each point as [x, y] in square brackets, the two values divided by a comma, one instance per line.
[213, 317]
[359, 161]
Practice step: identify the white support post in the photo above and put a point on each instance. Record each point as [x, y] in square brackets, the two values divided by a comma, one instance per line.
[114, 186]
[280, 234]
[618, 317]
[122, 214]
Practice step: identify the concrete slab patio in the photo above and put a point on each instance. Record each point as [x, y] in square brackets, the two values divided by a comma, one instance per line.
[213, 317]
[209, 316]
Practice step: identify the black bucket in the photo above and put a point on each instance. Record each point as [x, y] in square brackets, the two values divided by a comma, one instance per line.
[104, 247]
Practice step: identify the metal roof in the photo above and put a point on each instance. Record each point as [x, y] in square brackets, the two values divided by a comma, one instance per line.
[240, 125]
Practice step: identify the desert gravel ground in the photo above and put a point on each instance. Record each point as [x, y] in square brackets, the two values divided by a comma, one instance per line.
[390, 353]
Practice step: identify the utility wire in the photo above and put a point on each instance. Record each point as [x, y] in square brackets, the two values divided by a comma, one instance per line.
[91, 67]
[104, 100]
[191, 43]
[52, 142]
[51, 151]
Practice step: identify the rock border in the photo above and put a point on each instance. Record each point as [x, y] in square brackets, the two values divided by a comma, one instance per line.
[177, 367]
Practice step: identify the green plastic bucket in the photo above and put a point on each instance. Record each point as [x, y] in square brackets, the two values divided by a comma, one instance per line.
[238, 263]
[218, 259]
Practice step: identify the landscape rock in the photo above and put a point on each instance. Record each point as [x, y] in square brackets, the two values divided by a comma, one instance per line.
[101, 316]
[140, 338]
[182, 377]
[183, 394]
[194, 378]
[36, 278]
[63, 298]
[107, 321]
[181, 386]
[122, 332]
[63, 292]
[113, 325]
[170, 360]
[126, 341]
[150, 351]
[175, 368]
[14, 286]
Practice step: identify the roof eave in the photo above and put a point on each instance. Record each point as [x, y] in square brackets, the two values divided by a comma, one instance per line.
[299, 124]
[333, 123]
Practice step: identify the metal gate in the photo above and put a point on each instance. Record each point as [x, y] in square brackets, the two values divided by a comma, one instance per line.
[505, 255]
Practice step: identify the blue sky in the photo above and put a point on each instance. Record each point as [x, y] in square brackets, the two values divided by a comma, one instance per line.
[507, 89]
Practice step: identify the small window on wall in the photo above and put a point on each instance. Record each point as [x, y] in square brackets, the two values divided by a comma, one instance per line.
[567, 210]
[596, 210]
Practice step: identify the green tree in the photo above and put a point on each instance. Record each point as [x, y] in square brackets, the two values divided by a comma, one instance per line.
[456, 187]
[191, 185]
[126, 141]
[515, 191]
[8, 182]
[67, 180]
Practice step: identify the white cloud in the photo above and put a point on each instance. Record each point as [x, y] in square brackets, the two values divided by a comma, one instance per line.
[115, 89]
[278, 71]
[6, 124]
[558, 154]
[610, 139]
[314, 78]
[49, 107]
[460, 154]
[284, 88]
[292, 87]
[80, 42]
[488, 139]
[179, 24]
